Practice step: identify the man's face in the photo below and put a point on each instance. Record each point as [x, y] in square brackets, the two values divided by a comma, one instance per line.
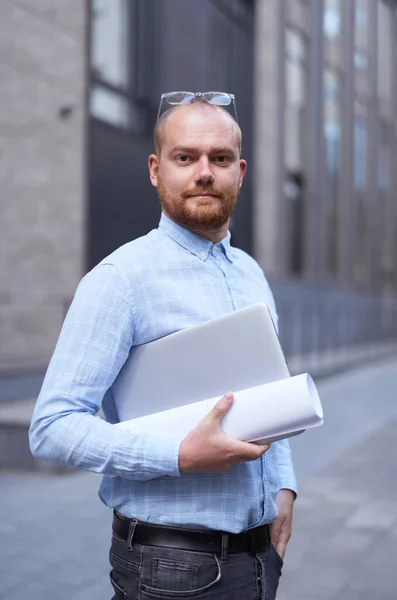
[199, 172]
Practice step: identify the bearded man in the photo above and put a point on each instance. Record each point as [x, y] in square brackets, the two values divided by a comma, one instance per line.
[208, 517]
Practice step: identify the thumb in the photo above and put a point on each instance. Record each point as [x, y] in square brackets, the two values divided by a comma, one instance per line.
[221, 408]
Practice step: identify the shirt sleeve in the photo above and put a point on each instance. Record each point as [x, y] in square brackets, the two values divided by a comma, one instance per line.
[94, 343]
[286, 474]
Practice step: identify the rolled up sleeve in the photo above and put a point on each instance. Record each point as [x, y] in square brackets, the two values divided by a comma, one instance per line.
[94, 343]
[286, 474]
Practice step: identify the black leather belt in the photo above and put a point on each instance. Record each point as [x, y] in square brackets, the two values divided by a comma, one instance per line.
[253, 540]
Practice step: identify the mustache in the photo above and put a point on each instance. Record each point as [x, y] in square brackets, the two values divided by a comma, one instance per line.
[200, 191]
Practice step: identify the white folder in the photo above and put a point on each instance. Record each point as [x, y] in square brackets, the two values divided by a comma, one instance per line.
[262, 414]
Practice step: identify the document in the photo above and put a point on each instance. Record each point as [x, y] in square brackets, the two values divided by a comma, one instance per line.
[261, 414]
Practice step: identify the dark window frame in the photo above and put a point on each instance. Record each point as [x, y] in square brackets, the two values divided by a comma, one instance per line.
[137, 94]
[240, 12]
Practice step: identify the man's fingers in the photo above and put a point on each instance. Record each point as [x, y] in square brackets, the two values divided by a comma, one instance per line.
[247, 451]
[283, 538]
[281, 547]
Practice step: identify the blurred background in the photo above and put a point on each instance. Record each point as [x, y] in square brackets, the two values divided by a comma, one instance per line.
[316, 89]
[316, 92]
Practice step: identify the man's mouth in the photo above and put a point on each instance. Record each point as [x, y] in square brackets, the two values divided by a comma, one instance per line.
[203, 195]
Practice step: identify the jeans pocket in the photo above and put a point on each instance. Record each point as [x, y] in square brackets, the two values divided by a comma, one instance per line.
[118, 561]
[177, 575]
[277, 556]
[124, 577]
[271, 565]
[167, 576]
[120, 593]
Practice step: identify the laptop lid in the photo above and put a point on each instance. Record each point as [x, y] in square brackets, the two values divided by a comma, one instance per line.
[232, 352]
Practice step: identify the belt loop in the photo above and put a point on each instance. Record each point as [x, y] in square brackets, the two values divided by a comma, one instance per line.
[225, 546]
[131, 531]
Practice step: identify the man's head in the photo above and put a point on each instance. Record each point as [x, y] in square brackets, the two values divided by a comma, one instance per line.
[197, 167]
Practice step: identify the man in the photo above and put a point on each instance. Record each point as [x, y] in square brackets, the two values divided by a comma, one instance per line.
[192, 518]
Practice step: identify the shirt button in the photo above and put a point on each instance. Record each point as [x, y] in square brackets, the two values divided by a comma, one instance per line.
[202, 255]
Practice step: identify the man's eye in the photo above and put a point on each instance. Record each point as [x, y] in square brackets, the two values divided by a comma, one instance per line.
[182, 158]
[221, 159]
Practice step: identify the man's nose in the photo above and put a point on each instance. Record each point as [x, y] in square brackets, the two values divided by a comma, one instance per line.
[204, 174]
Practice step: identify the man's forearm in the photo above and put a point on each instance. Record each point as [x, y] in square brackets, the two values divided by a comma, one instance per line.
[84, 441]
[94, 344]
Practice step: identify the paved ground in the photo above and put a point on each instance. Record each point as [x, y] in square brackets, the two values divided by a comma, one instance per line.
[54, 532]
[15, 387]
[344, 543]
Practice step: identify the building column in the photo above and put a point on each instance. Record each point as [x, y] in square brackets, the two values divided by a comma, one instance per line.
[392, 233]
[269, 205]
[374, 231]
[314, 262]
[347, 209]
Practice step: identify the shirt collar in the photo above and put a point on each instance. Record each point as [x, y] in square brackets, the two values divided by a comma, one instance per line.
[192, 242]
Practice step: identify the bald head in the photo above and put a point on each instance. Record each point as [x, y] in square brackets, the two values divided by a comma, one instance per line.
[171, 117]
[197, 168]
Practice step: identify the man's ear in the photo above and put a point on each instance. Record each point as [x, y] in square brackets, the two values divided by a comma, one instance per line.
[243, 170]
[153, 164]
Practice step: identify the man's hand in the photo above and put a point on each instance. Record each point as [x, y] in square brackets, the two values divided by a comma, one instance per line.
[281, 528]
[208, 450]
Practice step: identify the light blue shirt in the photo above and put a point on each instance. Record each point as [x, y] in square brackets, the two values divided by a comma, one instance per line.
[153, 286]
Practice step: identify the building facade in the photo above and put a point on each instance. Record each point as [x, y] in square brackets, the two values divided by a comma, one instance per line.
[42, 172]
[316, 97]
[325, 201]
[326, 110]
[156, 47]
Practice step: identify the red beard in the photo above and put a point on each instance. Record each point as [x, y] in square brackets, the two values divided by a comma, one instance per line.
[206, 214]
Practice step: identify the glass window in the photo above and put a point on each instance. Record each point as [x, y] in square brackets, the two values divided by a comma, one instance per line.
[361, 60]
[360, 154]
[385, 56]
[240, 12]
[332, 138]
[384, 199]
[384, 169]
[295, 98]
[121, 56]
[332, 21]
[295, 115]
[115, 109]
[384, 155]
[360, 140]
[110, 56]
[362, 28]
[109, 106]
[295, 47]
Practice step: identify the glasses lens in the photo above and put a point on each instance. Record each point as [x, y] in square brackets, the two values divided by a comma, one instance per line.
[219, 98]
[179, 97]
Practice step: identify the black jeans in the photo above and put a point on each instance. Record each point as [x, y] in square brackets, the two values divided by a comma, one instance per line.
[153, 573]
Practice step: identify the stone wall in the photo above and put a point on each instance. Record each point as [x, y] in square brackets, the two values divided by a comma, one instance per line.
[42, 188]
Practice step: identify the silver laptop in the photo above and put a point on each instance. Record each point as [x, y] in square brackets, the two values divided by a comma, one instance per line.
[230, 353]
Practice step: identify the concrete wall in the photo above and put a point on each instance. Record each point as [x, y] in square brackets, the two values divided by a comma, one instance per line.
[42, 115]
